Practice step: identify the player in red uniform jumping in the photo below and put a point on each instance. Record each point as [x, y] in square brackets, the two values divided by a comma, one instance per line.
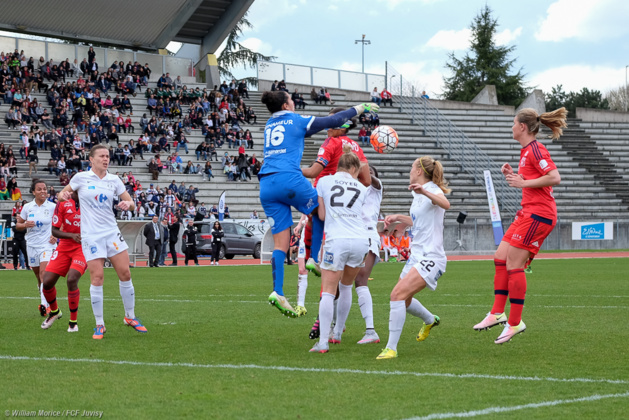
[67, 261]
[536, 176]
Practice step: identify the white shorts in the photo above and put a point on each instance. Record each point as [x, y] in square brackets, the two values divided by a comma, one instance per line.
[105, 246]
[302, 248]
[38, 255]
[374, 244]
[430, 270]
[337, 253]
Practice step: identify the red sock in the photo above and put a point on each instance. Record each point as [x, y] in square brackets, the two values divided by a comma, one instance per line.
[51, 298]
[517, 291]
[307, 239]
[501, 287]
[73, 302]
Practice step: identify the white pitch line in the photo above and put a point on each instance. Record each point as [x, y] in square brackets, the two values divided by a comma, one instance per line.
[264, 300]
[494, 410]
[319, 370]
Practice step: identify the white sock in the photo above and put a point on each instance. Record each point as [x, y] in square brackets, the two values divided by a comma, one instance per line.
[127, 293]
[42, 297]
[334, 313]
[326, 307]
[302, 286]
[397, 317]
[418, 310]
[343, 306]
[96, 296]
[366, 305]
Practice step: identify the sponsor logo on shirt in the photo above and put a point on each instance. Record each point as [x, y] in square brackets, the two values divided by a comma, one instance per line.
[100, 198]
[93, 249]
[543, 164]
[39, 224]
[328, 257]
[91, 187]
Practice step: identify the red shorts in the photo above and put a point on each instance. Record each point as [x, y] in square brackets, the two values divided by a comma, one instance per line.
[66, 258]
[529, 232]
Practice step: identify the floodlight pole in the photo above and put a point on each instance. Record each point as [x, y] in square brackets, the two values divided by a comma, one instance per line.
[625, 95]
[363, 41]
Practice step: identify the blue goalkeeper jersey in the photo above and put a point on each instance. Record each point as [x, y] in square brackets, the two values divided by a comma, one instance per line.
[284, 136]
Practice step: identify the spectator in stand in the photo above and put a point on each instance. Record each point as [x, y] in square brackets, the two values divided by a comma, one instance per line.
[386, 97]
[424, 96]
[243, 92]
[254, 215]
[375, 96]
[251, 115]
[153, 169]
[298, 100]
[207, 170]
[362, 135]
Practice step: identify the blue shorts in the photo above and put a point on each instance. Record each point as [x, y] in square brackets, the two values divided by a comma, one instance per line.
[280, 191]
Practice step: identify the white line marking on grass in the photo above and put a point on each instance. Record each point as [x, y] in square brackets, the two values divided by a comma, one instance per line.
[318, 370]
[494, 410]
[263, 300]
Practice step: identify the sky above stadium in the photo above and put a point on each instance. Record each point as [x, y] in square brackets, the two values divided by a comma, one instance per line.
[575, 43]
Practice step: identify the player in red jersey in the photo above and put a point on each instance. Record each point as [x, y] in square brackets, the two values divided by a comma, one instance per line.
[67, 261]
[536, 176]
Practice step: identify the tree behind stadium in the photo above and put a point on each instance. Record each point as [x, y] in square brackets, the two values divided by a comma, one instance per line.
[235, 54]
[485, 64]
[585, 98]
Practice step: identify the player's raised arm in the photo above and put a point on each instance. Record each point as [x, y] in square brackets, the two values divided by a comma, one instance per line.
[338, 119]
[65, 194]
[126, 203]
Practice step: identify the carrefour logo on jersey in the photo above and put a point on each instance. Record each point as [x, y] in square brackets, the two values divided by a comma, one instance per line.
[39, 224]
[100, 198]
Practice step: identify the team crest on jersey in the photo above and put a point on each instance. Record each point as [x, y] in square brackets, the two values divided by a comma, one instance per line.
[55, 219]
[328, 257]
[54, 255]
[46, 212]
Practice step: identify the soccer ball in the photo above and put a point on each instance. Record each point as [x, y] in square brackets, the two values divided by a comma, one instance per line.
[384, 139]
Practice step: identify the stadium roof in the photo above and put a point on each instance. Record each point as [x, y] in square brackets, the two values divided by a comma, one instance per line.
[145, 24]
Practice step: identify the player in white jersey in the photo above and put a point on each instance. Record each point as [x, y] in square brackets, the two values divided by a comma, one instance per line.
[428, 259]
[36, 218]
[341, 198]
[371, 211]
[100, 236]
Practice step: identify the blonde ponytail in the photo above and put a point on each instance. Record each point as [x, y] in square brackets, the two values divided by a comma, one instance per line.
[433, 169]
[555, 120]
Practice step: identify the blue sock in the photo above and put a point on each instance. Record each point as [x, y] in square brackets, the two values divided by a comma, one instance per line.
[317, 236]
[277, 266]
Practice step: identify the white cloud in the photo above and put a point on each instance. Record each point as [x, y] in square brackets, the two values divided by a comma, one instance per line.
[333, 7]
[575, 77]
[508, 36]
[584, 19]
[392, 4]
[257, 45]
[451, 40]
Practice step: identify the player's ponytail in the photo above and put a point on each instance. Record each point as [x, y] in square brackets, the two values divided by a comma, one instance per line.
[555, 120]
[274, 100]
[433, 170]
[348, 161]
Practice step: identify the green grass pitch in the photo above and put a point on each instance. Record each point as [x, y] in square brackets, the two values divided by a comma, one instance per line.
[216, 349]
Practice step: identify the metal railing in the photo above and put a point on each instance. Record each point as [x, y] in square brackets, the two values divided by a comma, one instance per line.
[465, 152]
[319, 76]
